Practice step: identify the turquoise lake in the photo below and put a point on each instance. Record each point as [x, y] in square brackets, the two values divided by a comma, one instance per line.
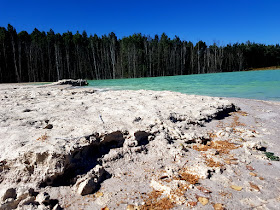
[263, 85]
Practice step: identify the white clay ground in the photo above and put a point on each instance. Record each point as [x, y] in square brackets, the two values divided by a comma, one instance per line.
[74, 148]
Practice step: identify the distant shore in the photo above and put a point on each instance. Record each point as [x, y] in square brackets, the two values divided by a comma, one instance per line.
[264, 68]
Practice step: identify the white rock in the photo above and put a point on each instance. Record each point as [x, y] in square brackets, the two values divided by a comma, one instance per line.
[43, 198]
[88, 183]
[130, 143]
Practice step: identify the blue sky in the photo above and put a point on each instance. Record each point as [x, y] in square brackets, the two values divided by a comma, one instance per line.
[223, 21]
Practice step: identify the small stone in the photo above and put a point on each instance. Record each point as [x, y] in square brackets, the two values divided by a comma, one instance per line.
[43, 198]
[252, 174]
[137, 119]
[10, 193]
[89, 183]
[105, 208]
[49, 126]
[87, 187]
[250, 168]
[237, 188]
[261, 178]
[218, 206]
[255, 187]
[203, 200]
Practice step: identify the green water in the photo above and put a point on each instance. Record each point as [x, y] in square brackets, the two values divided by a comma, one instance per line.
[264, 85]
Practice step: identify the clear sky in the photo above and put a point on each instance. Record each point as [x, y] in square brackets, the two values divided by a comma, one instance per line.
[223, 21]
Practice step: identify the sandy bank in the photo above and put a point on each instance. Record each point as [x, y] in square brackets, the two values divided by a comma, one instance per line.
[77, 148]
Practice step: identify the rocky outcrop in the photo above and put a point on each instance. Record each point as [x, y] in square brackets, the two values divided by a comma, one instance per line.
[78, 82]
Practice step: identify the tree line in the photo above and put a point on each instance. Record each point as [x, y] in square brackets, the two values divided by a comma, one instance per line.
[49, 56]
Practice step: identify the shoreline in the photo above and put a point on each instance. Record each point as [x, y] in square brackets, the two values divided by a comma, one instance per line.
[108, 89]
[136, 149]
[264, 68]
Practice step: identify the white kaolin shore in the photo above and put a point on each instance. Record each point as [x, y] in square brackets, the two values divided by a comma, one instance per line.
[65, 147]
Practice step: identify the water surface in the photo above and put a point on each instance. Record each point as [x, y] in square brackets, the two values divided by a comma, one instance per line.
[263, 85]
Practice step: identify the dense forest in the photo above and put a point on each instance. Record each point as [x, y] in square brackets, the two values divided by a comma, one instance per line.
[50, 56]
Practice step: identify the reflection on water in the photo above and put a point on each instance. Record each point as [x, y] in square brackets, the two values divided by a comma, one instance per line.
[264, 85]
